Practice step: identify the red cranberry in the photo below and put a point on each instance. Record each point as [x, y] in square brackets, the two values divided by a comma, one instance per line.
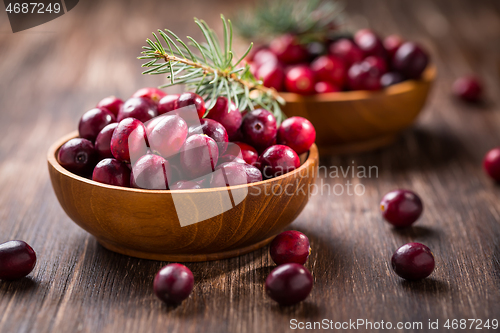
[168, 103]
[330, 69]
[265, 56]
[93, 121]
[289, 284]
[378, 63]
[140, 108]
[364, 76]
[199, 155]
[259, 129]
[173, 283]
[468, 88]
[78, 156]
[288, 50]
[128, 139]
[401, 208]
[491, 163]
[228, 115]
[300, 79]
[391, 78]
[103, 141]
[185, 185]
[151, 172]
[278, 160]
[297, 133]
[229, 174]
[272, 75]
[290, 246]
[189, 98]
[111, 103]
[17, 259]
[325, 87]
[370, 43]
[392, 44]
[168, 135]
[112, 172]
[154, 94]
[410, 60]
[232, 153]
[346, 50]
[214, 130]
[253, 174]
[413, 261]
[248, 153]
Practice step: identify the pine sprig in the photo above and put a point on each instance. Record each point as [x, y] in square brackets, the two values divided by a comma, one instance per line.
[209, 69]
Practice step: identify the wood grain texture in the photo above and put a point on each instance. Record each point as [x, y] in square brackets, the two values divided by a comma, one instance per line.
[53, 73]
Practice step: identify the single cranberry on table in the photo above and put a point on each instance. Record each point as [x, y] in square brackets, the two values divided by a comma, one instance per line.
[401, 208]
[491, 164]
[185, 185]
[289, 284]
[140, 108]
[330, 69]
[391, 78]
[199, 155]
[325, 87]
[168, 103]
[248, 153]
[173, 283]
[259, 129]
[413, 261]
[154, 94]
[297, 133]
[410, 60]
[17, 259]
[111, 104]
[278, 160]
[112, 172]
[93, 121]
[290, 246]
[468, 88]
[370, 43]
[103, 141]
[151, 172]
[78, 156]
[168, 135]
[129, 139]
[189, 98]
[288, 50]
[215, 130]
[364, 76]
[226, 114]
[392, 44]
[272, 75]
[346, 50]
[299, 79]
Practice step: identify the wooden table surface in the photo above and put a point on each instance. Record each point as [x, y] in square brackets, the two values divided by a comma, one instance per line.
[51, 74]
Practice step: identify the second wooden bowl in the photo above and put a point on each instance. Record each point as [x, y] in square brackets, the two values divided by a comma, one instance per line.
[361, 120]
[147, 224]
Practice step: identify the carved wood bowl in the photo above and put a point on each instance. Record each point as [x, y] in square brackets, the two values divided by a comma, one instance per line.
[354, 121]
[147, 223]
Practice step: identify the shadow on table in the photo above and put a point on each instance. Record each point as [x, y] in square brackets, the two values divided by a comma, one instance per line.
[428, 286]
[416, 232]
[22, 286]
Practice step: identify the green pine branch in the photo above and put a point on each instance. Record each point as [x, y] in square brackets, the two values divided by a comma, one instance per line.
[209, 69]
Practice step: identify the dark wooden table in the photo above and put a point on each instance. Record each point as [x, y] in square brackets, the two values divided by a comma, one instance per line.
[51, 74]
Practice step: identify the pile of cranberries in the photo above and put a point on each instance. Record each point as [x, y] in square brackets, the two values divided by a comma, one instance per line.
[364, 62]
[157, 141]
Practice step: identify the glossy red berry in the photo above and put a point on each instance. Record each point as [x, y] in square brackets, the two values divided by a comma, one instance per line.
[364, 76]
[259, 129]
[290, 246]
[277, 160]
[17, 259]
[272, 75]
[370, 43]
[253, 174]
[401, 208]
[378, 63]
[112, 172]
[140, 108]
[413, 261]
[129, 139]
[346, 50]
[299, 79]
[229, 174]
[248, 153]
[288, 50]
[392, 44]
[227, 115]
[103, 141]
[289, 284]
[491, 163]
[189, 98]
[154, 94]
[214, 130]
[265, 56]
[391, 78]
[93, 121]
[78, 156]
[297, 133]
[468, 88]
[151, 172]
[168, 103]
[111, 103]
[330, 69]
[173, 283]
[410, 60]
[325, 87]
[168, 135]
[199, 156]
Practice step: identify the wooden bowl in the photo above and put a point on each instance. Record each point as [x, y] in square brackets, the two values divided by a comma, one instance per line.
[145, 223]
[355, 121]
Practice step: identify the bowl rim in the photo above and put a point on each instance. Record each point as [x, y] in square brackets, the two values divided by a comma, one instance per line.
[428, 76]
[54, 148]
